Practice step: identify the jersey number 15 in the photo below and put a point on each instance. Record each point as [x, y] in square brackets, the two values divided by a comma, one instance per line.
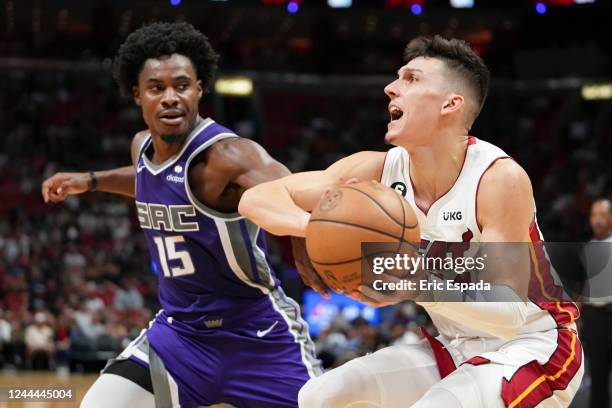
[167, 245]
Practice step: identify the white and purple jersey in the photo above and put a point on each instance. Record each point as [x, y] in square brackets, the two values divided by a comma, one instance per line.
[208, 262]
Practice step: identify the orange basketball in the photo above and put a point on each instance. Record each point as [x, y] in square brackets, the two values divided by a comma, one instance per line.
[352, 214]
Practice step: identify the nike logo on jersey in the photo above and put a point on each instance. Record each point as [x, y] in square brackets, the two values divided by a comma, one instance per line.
[139, 169]
[262, 333]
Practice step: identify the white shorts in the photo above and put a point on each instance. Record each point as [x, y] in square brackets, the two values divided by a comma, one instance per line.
[541, 369]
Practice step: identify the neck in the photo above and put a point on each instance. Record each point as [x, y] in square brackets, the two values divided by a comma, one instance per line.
[434, 168]
[602, 236]
[163, 150]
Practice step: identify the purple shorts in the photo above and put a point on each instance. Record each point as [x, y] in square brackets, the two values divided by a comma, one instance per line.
[260, 357]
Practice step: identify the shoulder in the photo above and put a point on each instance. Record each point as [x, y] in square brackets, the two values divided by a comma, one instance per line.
[504, 174]
[231, 156]
[504, 192]
[137, 141]
[234, 152]
[139, 137]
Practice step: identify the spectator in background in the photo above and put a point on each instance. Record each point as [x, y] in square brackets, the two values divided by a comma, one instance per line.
[40, 347]
[597, 317]
[128, 296]
[63, 342]
[5, 339]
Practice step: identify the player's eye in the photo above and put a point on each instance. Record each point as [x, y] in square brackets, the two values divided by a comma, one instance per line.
[183, 87]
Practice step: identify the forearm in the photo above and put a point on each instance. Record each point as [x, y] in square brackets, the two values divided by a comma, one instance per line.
[270, 206]
[119, 181]
[501, 319]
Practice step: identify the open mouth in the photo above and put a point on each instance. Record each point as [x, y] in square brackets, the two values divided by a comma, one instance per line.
[395, 112]
[172, 117]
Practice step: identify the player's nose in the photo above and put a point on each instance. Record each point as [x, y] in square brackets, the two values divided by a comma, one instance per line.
[170, 97]
[391, 90]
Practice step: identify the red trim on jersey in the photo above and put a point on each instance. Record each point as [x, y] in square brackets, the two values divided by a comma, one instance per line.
[542, 284]
[444, 360]
[534, 382]
[476, 361]
[478, 187]
[471, 141]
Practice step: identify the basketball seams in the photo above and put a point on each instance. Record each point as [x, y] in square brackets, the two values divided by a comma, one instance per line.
[377, 253]
[376, 202]
[403, 224]
[341, 264]
[350, 224]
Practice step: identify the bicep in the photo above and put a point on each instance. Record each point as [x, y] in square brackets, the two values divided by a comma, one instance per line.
[255, 166]
[506, 210]
[505, 203]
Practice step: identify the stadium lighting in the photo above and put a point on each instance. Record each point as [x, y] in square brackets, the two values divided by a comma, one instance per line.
[234, 86]
[540, 8]
[462, 3]
[416, 9]
[597, 91]
[175, 3]
[339, 3]
[292, 7]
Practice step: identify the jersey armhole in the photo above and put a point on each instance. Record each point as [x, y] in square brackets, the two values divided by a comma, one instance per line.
[382, 172]
[478, 188]
[201, 207]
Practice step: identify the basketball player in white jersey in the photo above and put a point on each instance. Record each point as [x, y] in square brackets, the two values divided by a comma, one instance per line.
[494, 354]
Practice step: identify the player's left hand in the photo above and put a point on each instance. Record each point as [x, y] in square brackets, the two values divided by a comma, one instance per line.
[305, 269]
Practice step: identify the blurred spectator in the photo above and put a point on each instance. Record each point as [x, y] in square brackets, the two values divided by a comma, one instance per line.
[597, 317]
[63, 341]
[40, 347]
[128, 297]
[5, 339]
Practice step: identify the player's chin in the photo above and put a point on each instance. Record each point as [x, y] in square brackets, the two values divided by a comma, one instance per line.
[391, 137]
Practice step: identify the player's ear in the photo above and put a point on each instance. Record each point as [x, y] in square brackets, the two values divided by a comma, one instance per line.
[136, 95]
[200, 88]
[453, 103]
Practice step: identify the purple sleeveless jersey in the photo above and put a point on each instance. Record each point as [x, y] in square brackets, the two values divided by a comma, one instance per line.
[207, 262]
[227, 332]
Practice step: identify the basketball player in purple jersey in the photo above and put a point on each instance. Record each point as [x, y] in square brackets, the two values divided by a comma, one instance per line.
[227, 334]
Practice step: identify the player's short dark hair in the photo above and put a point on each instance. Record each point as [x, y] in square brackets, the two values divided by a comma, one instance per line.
[161, 39]
[459, 57]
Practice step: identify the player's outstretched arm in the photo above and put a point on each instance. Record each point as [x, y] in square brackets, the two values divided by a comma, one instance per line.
[505, 212]
[57, 187]
[119, 181]
[282, 206]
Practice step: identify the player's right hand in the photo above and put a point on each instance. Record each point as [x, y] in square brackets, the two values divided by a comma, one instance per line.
[57, 187]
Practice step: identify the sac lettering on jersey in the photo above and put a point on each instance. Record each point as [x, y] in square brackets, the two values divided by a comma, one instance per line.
[163, 217]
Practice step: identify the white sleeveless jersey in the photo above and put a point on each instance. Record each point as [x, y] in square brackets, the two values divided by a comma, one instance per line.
[450, 224]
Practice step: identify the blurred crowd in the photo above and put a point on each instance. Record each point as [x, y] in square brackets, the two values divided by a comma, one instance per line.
[365, 38]
[75, 278]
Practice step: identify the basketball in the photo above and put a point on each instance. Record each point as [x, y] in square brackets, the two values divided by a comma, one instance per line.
[349, 215]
